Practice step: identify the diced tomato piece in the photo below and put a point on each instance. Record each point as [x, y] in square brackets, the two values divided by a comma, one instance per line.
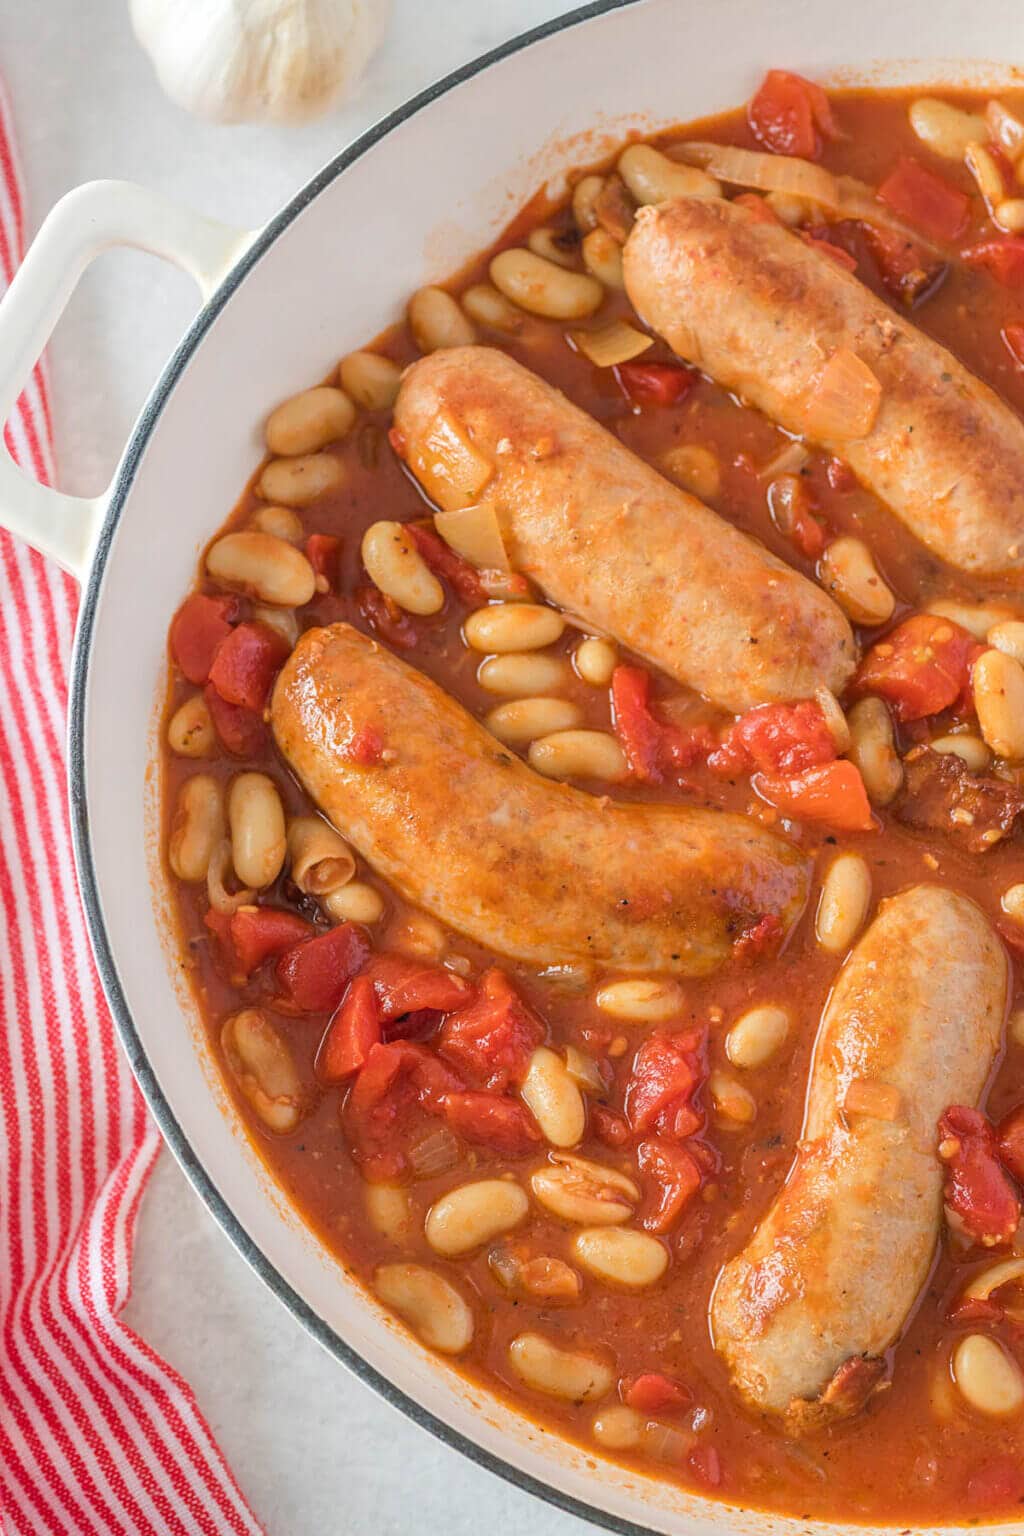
[997, 1483]
[793, 511]
[655, 1394]
[834, 793]
[790, 115]
[219, 924]
[925, 200]
[314, 975]
[755, 205]
[504, 1125]
[776, 738]
[673, 1177]
[683, 747]
[921, 667]
[492, 1038]
[393, 1081]
[706, 1465]
[656, 383]
[977, 1191]
[386, 618]
[840, 476]
[403, 985]
[1011, 1142]
[462, 577]
[197, 629]
[1013, 338]
[666, 1072]
[351, 1034]
[246, 663]
[640, 734]
[1002, 258]
[818, 240]
[762, 938]
[975, 1309]
[609, 1126]
[259, 932]
[906, 269]
[241, 731]
[322, 551]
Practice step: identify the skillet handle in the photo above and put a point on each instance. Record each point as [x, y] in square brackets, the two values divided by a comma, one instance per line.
[83, 224]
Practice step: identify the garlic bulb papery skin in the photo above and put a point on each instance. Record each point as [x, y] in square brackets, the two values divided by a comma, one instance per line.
[236, 61]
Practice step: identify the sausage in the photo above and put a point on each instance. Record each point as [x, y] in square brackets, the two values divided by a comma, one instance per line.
[608, 538]
[762, 312]
[804, 1315]
[532, 869]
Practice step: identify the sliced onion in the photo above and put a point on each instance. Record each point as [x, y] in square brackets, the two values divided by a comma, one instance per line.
[475, 534]
[980, 1288]
[612, 344]
[879, 1100]
[789, 460]
[583, 1069]
[436, 1152]
[217, 893]
[665, 1443]
[1006, 129]
[834, 718]
[766, 173]
[844, 401]
[451, 469]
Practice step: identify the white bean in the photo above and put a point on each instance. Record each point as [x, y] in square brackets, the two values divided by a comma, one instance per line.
[1009, 215]
[281, 620]
[419, 934]
[389, 1210]
[565, 1373]
[197, 827]
[542, 288]
[987, 175]
[506, 627]
[1012, 902]
[553, 1099]
[621, 1256]
[266, 567]
[431, 1306]
[976, 618]
[756, 1036]
[545, 242]
[653, 178]
[988, 1379]
[395, 565]
[731, 1100]
[321, 860]
[371, 380]
[843, 904]
[618, 1428]
[584, 195]
[262, 1065]
[282, 522]
[256, 819]
[190, 731]
[523, 674]
[436, 321]
[309, 421]
[849, 572]
[595, 661]
[579, 755]
[300, 481]
[488, 307]
[695, 469]
[971, 750]
[602, 257]
[466, 1217]
[999, 700]
[1008, 636]
[522, 720]
[641, 1000]
[873, 750]
[355, 902]
[947, 130]
[587, 1193]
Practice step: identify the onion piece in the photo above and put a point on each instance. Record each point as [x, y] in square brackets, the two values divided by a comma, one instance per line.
[437, 1151]
[789, 460]
[981, 1286]
[1007, 130]
[844, 400]
[612, 344]
[475, 534]
[583, 1069]
[217, 893]
[879, 1100]
[450, 468]
[666, 1443]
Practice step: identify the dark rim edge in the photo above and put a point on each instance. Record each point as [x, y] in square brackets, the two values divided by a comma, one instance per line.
[170, 1129]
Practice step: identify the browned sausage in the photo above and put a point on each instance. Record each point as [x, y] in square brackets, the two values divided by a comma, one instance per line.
[531, 869]
[607, 538]
[759, 310]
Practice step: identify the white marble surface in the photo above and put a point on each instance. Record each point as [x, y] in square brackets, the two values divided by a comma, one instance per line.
[315, 1451]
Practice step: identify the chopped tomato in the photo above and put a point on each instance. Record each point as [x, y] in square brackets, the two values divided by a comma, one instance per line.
[492, 1038]
[351, 1034]
[762, 938]
[925, 200]
[975, 1309]
[840, 476]
[755, 205]
[906, 270]
[1002, 258]
[920, 668]
[790, 115]
[609, 1126]
[673, 1177]
[219, 924]
[655, 1394]
[656, 383]
[977, 1192]
[386, 618]
[393, 1081]
[1013, 338]
[462, 577]
[1011, 1142]
[504, 1125]
[793, 508]
[706, 1465]
[640, 735]
[999, 1482]
[818, 240]
[776, 738]
[246, 663]
[834, 793]
[241, 730]
[259, 932]
[322, 551]
[314, 975]
[403, 985]
[666, 1072]
[197, 629]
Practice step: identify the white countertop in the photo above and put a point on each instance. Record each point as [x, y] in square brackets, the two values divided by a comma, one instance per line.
[315, 1451]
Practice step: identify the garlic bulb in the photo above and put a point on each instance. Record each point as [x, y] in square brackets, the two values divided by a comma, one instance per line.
[241, 60]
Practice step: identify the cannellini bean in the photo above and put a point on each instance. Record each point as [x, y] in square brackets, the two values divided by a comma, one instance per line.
[547, 243]
[618, 1428]
[321, 860]
[256, 819]
[976, 618]
[587, 1193]
[584, 195]
[873, 750]
[790, 209]
[309, 421]
[370, 379]
[998, 682]
[266, 567]
[947, 130]
[488, 307]
[542, 288]
[395, 565]
[1012, 902]
[220, 898]
[436, 321]
[1008, 637]
[473, 1214]
[621, 1256]
[595, 661]
[641, 1000]
[282, 522]
[506, 627]
[971, 750]
[988, 1379]
[695, 469]
[262, 1065]
[431, 1306]
[1004, 128]
[566, 1373]
[389, 1210]
[190, 731]
[281, 620]
[1009, 215]
[355, 902]
[756, 1036]
[849, 572]
[844, 902]
[521, 674]
[731, 1100]
[602, 257]
[300, 481]
[553, 1099]
[653, 178]
[579, 755]
[196, 827]
[523, 720]
[419, 934]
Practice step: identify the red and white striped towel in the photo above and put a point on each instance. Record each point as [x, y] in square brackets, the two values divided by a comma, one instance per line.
[98, 1436]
